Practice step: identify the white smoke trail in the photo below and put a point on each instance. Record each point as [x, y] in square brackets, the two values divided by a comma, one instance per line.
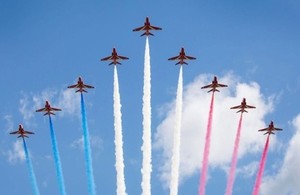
[146, 147]
[176, 138]
[121, 188]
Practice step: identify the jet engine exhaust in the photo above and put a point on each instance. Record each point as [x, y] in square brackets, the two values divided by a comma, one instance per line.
[58, 167]
[261, 168]
[231, 175]
[206, 148]
[121, 187]
[177, 137]
[87, 150]
[31, 171]
[146, 147]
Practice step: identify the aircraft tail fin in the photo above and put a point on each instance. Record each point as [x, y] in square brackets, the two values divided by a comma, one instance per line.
[147, 34]
[49, 113]
[181, 63]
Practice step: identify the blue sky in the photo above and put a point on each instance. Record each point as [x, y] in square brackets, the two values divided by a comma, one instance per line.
[251, 46]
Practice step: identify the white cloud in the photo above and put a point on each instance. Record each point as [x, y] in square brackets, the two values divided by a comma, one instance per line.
[286, 181]
[65, 99]
[9, 123]
[17, 153]
[69, 102]
[195, 114]
[25, 108]
[248, 170]
[95, 141]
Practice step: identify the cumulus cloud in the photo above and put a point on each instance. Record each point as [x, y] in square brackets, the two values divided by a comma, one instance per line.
[286, 181]
[248, 170]
[96, 143]
[194, 122]
[9, 123]
[64, 99]
[25, 108]
[17, 153]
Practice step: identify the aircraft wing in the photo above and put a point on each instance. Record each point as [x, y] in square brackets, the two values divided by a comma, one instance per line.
[190, 58]
[155, 28]
[139, 28]
[56, 109]
[247, 106]
[278, 129]
[264, 129]
[236, 107]
[29, 132]
[106, 58]
[207, 86]
[14, 132]
[41, 110]
[123, 57]
[174, 58]
[88, 86]
[73, 86]
[221, 85]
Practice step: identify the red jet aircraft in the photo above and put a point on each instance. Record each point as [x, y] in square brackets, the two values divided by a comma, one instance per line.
[243, 106]
[214, 84]
[80, 85]
[147, 27]
[22, 132]
[270, 129]
[47, 109]
[181, 57]
[114, 57]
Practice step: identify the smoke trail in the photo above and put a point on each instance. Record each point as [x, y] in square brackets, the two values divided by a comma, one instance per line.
[146, 147]
[234, 158]
[176, 138]
[121, 188]
[87, 150]
[261, 168]
[206, 148]
[30, 168]
[58, 167]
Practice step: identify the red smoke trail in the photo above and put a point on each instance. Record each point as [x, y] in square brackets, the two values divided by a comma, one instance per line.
[231, 175]
[261, 168]
[206, 148]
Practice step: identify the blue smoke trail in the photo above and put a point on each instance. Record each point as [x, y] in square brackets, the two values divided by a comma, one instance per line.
[87, 151]
[59, 172]
[31, 172]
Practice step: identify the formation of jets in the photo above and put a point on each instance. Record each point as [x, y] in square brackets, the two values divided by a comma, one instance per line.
[114, 57]
[80, 86]
[270, 129]
[48, 109]
[214, 85]
[147, 27]
[243, 106]
[181, 57]
[22, 132]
